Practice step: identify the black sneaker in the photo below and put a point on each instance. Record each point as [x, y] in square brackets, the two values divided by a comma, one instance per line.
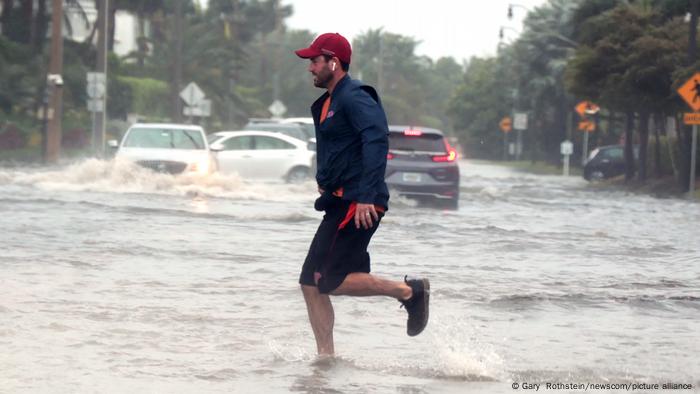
[417, 306]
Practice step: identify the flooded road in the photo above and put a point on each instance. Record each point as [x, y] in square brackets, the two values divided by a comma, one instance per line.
[116, 280]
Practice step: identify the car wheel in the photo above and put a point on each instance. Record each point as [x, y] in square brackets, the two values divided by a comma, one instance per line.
[298, 175]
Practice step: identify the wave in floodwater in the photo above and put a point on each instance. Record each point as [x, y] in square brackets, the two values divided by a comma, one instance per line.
[122, 176]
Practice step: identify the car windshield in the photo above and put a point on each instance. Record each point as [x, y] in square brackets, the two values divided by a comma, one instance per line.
[613, 153]
[164, 138]
[416, 143]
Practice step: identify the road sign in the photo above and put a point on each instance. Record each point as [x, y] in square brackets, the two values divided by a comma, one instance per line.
[96, 78]
[277, 108]
[506, 124]
[567, 148]
[691, 118]
[95, 105]
[96, 90]
[520, 121]
[586, 125]
[202, 108]
[586, 108]
[690, 91]
[192, 94]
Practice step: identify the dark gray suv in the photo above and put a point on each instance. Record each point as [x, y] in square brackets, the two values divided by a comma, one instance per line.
[421, 164]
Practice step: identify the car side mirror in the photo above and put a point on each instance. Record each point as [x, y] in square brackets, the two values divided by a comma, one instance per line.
[216, 147]
[114, 144]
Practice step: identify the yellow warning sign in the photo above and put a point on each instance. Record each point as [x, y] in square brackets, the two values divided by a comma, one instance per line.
[691, 118]
[690, 91]
[586, 108]
[586, 125]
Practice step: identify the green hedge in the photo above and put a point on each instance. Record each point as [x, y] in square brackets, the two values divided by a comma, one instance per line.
[149, 97]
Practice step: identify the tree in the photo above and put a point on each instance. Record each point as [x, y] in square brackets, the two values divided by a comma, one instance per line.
[540, 57]
[626, 63]
[480, 102]
[406, 82]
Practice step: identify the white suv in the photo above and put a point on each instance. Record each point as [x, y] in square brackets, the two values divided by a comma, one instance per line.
[165, 147]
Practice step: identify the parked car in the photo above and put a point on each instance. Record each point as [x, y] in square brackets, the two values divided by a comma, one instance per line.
[291, 129]
[422, 164]
[263, 155]
[166, 147]
[606, 162]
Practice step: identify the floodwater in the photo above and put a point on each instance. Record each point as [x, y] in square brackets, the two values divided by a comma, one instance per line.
[117, 280]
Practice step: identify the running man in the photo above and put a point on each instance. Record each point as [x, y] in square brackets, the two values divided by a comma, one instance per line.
[352, 145]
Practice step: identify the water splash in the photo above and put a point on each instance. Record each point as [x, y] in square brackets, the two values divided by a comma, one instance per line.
[123, 176]
[461, 355]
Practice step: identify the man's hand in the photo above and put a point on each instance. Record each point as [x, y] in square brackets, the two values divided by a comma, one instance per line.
[364, 213]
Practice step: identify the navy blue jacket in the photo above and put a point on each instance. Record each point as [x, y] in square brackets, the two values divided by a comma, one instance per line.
[352, 143]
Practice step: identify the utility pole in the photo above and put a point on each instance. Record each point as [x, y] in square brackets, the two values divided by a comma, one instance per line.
[98, 136]
[55, 83]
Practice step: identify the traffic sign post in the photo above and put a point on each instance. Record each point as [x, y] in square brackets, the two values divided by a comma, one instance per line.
[584, 109]
[201, 108]
[192, 94]
[519, 124]
[506, 125]
[693, 155]
[690, 92]
[96, 90]
[567, 148]
[197, 104]
[277, 109]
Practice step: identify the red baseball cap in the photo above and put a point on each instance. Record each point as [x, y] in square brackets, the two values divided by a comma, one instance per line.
[332, 44]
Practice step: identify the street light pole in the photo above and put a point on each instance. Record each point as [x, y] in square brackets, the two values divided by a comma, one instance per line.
[500, 31]
[514, 5]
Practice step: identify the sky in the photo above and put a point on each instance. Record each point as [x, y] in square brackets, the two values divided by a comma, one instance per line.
[457, 28]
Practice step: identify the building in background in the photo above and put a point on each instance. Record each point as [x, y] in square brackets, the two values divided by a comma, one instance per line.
[126, 26]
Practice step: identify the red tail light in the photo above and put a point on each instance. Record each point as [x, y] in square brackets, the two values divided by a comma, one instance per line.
[389, 156]
[450, 156]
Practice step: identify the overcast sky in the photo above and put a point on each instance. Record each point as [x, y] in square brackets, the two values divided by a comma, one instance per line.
[457, 28]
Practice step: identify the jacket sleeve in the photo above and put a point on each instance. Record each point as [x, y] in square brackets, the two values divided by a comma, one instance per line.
[368, 118]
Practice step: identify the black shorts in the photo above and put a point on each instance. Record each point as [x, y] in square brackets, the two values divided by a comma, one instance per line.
[338, 248]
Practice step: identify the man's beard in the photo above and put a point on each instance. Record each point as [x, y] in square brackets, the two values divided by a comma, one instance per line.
[322, 79]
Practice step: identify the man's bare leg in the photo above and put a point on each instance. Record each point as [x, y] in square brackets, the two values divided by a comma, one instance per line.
[322, 317]
[360, 284]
